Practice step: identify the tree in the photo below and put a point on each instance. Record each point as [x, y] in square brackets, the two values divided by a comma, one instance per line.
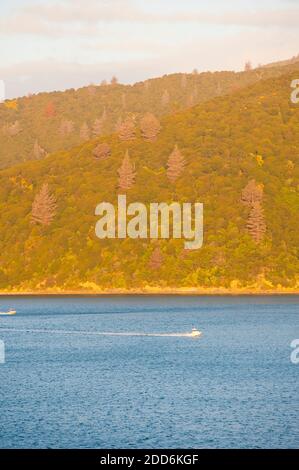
[256, 223]
[66, 127]
[150, 127]
[114, 80]
[102, 151]
[13, 129]
[165, 98]
[84, 132]
[127, 130]
[156, 259]
[175, 164]
[50, 110]
[91, 89]
[124, 100]
[184, 81]
[248, 66]
[104, 115]
[43, 207]
[97, 127]
[38, 151]
[126, 174]
[252, 193]
[118, 124]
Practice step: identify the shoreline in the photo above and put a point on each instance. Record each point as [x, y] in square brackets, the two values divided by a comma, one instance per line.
[153, 292]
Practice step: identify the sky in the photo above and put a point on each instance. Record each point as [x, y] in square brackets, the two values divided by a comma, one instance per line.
[50, 45]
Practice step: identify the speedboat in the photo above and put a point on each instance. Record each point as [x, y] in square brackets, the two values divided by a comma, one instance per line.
[10, 312]
[195, 333]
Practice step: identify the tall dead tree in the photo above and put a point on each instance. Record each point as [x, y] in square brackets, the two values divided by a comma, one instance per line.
[175, 164]
[43, 207]
[126, 174]
[150, 127]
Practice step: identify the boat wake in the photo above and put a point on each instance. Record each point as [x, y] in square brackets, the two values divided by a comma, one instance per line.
[94, 333]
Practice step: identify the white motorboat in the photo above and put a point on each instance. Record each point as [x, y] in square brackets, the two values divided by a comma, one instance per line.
[195, 333]
[10, 312]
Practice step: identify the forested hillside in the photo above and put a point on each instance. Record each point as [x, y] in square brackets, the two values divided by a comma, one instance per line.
[237, 154]
[33, 126]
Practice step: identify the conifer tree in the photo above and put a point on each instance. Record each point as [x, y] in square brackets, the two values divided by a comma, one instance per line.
[13, 129]
[256, 223]
[66, 127]
[97, 127]
[175, 164]
[252, 193]
[84, 132]
[104, 115]
[38, 151]
[118, 124]
[184, 81]
[102, 151]
[156, 259]
[43, 207]
[150, 127]
[114, 80]
[165, 98]
[126, 174]
[50, 110]
[127, 130]
[91, 89]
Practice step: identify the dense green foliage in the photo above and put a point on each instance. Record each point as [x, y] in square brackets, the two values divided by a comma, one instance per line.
[31, 127]
[252, 133]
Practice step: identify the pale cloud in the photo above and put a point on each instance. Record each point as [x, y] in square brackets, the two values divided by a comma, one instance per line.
[88, 17]
[69, 43]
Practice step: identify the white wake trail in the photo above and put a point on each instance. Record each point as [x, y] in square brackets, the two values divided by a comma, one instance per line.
[93, 333]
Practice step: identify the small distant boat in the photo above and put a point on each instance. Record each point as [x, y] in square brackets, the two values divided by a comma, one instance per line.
[195, 333]
[10, 312]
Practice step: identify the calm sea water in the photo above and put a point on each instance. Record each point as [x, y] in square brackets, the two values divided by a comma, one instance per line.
[234, 387]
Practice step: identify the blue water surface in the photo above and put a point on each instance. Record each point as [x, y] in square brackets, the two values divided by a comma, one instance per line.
[235, 387]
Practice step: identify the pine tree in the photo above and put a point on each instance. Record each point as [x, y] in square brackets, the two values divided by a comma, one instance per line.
[124, 100]
[38, 151]
[97, 127]
[66, 127]
[43, 207]
[156, 259]
[114, 80]
[252, 193]
[165, 98]
[50, 110]
[184, 81]
[126, 174]
[13, 129]
[176, 165]
[127, 130]
[256, 223]
[102, 151]
[91, 89]
[150, 127]
[84, 132]
[248, 66]
[104, 115]
[118, 124]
